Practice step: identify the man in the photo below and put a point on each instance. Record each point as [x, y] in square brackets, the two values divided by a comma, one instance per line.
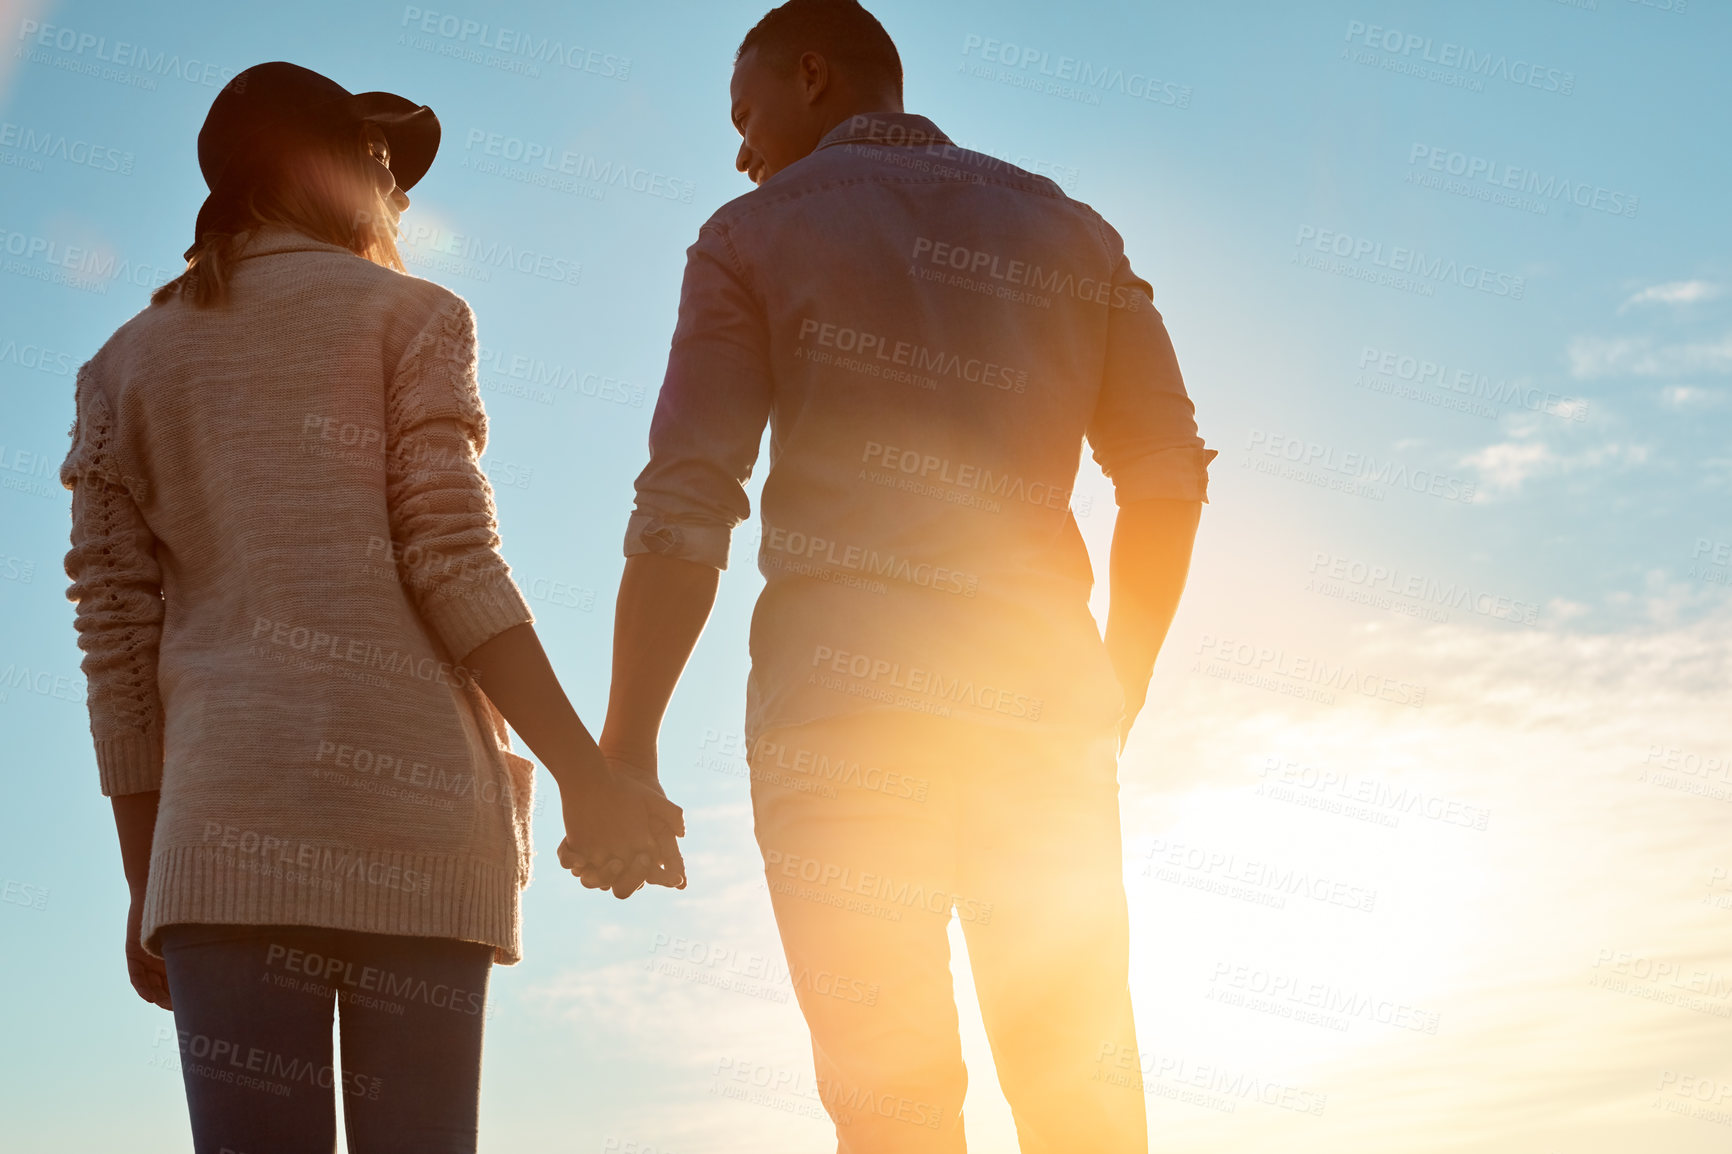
[933, 718]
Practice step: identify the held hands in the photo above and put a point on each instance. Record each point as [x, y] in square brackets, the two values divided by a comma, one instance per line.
[620, 830]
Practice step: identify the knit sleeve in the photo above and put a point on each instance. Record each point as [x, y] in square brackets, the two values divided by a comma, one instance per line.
[441, 506]
[118, 588]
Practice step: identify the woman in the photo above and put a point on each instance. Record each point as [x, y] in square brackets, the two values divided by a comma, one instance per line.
[300, 637]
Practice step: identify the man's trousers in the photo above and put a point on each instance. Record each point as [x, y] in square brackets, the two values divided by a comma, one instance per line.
[873, 829]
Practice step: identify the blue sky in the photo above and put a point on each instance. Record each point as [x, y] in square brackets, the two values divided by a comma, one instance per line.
[1450, 286]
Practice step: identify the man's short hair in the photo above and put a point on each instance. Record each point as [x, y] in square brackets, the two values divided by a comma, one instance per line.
[840, 31]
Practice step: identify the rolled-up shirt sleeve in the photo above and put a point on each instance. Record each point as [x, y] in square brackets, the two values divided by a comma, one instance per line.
[1144, 429]
[710, 416]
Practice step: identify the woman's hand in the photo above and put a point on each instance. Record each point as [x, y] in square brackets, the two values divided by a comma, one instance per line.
[135, 822]
[149, 976]
[620, 831]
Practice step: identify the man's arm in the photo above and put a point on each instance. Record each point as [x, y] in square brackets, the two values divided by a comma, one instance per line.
[1151, 557]
[709, 422]
[1144, 435]
[663, 605]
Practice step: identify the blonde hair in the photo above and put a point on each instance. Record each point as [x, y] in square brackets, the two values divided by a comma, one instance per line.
[324, 186]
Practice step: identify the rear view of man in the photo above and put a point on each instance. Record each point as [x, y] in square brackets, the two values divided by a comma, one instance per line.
[934, 721]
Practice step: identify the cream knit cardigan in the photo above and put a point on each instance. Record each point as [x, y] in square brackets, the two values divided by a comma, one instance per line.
[282, 544]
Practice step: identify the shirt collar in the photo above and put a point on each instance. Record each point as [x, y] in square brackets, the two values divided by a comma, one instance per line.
[270, 239]
[894, 129]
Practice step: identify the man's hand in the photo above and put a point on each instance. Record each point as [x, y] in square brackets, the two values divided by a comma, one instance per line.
[641, 768]
[620, 832]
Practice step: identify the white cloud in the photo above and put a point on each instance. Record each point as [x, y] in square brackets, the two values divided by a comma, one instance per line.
[1507, 465]
[1592, 357]
[1677, 292]
[1688, 397]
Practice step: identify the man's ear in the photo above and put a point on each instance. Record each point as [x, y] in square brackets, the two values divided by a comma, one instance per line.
[814, 74]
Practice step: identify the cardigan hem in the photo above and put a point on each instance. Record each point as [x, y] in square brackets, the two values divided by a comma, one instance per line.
[248, 878]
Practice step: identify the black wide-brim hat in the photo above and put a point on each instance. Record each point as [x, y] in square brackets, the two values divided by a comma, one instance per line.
[267, 105]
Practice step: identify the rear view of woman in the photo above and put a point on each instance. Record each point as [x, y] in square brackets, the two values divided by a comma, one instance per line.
[300, 637]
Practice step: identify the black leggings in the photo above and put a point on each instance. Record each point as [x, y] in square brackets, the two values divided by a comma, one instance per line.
[252, 1009]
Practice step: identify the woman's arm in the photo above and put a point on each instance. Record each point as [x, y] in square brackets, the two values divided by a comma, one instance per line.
[443, 523]
[117, 585]
[444, 526]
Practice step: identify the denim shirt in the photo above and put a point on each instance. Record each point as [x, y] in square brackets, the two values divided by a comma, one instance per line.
[930, 334]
